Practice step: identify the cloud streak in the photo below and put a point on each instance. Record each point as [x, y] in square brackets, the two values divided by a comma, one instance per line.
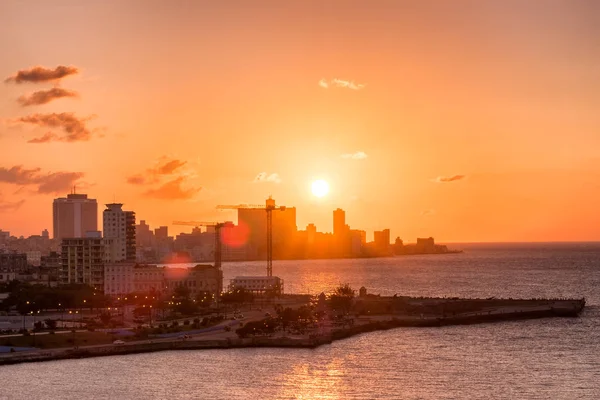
[11, 206]
[265, 177]
[74, 128]
[153, 175]
[359, 155]
[53, 182]
[45, 96]
[41, 74]
[340, 83]
[446, 179]
[172, 190]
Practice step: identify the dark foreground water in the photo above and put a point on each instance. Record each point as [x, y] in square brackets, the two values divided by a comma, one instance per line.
[538, 359]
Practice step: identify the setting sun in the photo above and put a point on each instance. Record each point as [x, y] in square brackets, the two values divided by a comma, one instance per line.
[320, 188]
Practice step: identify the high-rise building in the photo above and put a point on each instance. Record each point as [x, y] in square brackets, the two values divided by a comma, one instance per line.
[119, 233]
[143, 235]
[382, 241]
[255, 221]
[83, 261]
[339, 222]
[73, 216]
[161, 232]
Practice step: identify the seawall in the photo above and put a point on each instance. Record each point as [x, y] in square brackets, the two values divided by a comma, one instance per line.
[556, 308]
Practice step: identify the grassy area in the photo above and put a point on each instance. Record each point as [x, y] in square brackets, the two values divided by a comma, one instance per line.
[58, 340]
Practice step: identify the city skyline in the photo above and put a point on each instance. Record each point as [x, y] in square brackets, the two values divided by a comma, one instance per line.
[470, 132]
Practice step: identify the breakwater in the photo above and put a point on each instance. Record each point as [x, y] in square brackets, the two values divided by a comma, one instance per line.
[503, 310]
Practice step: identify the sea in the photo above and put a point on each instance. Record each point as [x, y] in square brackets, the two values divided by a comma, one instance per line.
[553, 358]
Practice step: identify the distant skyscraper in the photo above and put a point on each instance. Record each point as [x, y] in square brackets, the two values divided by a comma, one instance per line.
[255, 220]
[161, 232]
[339, 222]
[74, 215]
[382, 240]
[119, 233]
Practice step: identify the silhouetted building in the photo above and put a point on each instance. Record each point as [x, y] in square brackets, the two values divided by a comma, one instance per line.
[284, 230]
[382, 241]
[339, 222]
[425, 245]
[143, 235]
[74, 215]
[161, 232]
[119, 230]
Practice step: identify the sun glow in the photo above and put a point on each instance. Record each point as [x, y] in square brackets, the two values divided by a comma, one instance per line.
[320, 188]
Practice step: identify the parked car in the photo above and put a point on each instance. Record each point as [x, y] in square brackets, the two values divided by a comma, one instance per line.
[118, 342]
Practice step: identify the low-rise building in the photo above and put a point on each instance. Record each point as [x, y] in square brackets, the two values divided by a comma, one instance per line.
[258, 284]
[201, 278]
[13, 262]
[124, 278]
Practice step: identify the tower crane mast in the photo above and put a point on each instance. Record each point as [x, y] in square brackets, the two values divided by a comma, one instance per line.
[269, 207]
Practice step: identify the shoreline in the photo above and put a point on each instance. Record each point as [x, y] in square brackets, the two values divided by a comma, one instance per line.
[558, 309]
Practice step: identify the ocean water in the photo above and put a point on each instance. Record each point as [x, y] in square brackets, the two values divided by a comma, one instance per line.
[537, 359]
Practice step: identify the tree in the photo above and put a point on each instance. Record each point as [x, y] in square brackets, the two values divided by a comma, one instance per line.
[182, 302]
[341, 299]
[106, 317]
[50, 323]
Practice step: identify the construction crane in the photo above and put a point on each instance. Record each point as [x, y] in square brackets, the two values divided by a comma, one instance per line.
[217, 226]
[268, 207]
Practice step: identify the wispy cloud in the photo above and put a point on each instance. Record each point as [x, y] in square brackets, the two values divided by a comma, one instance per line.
[42, 74]
[45, 96]
[445, 179]
[53, 182]
[428, 212]
[163, 167]
[173, 181]
[359, 155]
[173, 190]
[340, 83]
[6, 206]
[266, 177]
[74, 128]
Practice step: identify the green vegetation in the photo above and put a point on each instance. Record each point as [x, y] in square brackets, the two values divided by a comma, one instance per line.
[341, 299]
[58, 340]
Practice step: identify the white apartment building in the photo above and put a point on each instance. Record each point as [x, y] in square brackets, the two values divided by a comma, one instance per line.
[119, 233]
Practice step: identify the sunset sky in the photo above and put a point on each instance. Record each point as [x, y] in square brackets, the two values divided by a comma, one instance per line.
[462, 120]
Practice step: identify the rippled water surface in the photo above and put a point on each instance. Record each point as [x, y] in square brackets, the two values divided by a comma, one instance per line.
[537, 359]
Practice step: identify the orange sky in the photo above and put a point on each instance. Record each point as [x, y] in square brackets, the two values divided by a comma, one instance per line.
[178, 106]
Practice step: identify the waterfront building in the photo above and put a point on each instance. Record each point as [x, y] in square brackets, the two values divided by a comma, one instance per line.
[201, 278]
[382, 242]
[339, 222]
[83, 261]
[124, 278]
[257, 284]
[119, 227]
[73, 216]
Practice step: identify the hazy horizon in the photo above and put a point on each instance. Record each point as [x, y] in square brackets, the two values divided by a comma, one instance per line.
[465, 121]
